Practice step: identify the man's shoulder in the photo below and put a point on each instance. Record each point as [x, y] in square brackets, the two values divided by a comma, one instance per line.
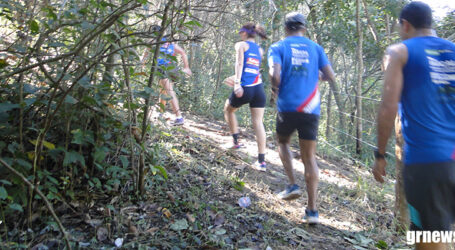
[397, 49]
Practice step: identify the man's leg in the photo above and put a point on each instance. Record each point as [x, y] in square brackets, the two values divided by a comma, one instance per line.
[163, 83]
[430, 192]
[286, 156]
[431, 246]
[174, 101]
[308, 151]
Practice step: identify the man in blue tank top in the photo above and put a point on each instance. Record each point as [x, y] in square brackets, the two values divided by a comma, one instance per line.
[420, 82]
[294, 64]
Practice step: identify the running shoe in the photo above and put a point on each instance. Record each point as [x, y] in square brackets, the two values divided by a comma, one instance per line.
[311, 217]
[237, 146]
[178, 121]
[290, 193]
[260, 166]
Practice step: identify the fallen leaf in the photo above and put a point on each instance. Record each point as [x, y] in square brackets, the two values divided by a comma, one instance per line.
[179, 225]
[170, 196]
[220, 231]
[219, 220]
[150, 207]
[240, 167]
[132, 230]
[190, 217]
[211, 214]
[114, 200]
[152, 230]
[94, 222]
[101, 234]
[166, 212]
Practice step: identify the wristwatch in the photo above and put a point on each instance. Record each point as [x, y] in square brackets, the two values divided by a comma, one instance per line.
[237, 81]
[378, 155]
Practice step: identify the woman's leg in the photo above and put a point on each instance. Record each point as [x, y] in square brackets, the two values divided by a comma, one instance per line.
[231, 119]
[256, 116]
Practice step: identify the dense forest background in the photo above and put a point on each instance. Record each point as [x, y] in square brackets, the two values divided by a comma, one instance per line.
[75, 100]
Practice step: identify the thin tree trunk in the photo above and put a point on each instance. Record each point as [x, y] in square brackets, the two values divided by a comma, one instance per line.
[218, 77]
[358, 101]
[141, 172]
[371, 25]
[329, 114]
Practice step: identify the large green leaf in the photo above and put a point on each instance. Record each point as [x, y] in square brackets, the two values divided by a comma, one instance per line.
[73, 157]
[34, 27]
[3, 193]
[7, 106]
[15, 206]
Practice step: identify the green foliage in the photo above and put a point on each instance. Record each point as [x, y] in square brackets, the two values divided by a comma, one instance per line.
[66, 122]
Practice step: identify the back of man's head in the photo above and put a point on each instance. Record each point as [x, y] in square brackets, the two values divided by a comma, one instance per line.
[418, 14]
[295, 21]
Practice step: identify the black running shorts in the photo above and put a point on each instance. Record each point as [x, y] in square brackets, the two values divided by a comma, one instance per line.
[430, 192]
[254, 95]
[306, 124]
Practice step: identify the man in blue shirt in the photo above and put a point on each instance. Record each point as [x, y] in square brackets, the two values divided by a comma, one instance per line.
[420, 80]
[294, 64]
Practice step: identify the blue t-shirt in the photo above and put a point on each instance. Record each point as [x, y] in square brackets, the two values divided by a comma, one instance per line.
[300, 60]
[427, 106]
[166, 50]
[251, 64]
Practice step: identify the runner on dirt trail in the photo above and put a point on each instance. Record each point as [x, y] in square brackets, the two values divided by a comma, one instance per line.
[248, 88]
[169, 76]
[294, 65]
[419, 80]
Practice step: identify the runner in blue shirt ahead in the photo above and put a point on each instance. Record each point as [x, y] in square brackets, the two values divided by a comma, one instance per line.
[420, 76]
[294, 64]
[248, 88]
[168, 76]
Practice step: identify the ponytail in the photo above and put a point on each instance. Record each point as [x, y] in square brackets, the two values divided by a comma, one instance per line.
[260, 31]
[252, 29]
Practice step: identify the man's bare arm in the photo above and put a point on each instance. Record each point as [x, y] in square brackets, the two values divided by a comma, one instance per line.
[186, 66]
[275, 78]
[396, 57]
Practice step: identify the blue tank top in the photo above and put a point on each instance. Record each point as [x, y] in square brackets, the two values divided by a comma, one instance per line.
[251, 64]
[166, 50]
[427, 106]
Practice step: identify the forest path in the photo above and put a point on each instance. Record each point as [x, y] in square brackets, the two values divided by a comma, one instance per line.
[196, 207]
[355, 212]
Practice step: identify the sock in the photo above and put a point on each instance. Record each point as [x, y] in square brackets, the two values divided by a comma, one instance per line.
[236, 138]
[261, 158]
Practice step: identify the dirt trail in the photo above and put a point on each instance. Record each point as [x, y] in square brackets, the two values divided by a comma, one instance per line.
[355, 212]
[196, 207]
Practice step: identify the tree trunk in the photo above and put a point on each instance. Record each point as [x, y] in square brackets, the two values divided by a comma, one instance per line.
[358, 101]
[371, 25]
[401, 208]
[329, 114]
[141, 172]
